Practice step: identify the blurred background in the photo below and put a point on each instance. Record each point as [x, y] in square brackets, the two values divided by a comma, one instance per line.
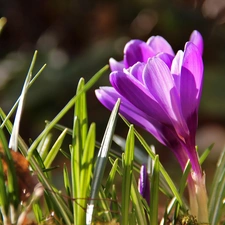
[76, 38]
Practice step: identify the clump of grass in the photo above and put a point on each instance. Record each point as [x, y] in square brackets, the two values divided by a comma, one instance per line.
[88, 198]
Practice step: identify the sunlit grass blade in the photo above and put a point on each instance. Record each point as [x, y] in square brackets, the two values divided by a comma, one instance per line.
[67, 186]
[101, 161]
[111, 177]
[54, 150]
[127, 175]
[154, 200]
[68, 106]
[81, 111]
[104, 206]
[38, 212]
[3, 22]
[44, 146]
[217, 195]
[13, 142]
[76, 170]
[87, 162]
[4, 203]
[29, 85]
[137, 203]
[11, 174]
[115, 208]
[205, 154]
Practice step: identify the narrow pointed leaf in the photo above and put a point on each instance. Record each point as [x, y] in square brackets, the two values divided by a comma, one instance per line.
[217, 196]
[54, 150]
[154, 200]
[101, 161]
[127, 175]
[68, 106]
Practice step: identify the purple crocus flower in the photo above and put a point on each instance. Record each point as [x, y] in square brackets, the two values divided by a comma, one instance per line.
[143, 184]
[160, 91]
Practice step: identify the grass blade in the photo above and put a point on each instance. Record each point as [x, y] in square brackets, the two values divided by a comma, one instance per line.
[54, 150]
[127, 175]
[69, 105]
[154, 200]
[217, 195]
[101, 161]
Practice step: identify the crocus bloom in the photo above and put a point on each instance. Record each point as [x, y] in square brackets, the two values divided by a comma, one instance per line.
[143, 184]
[160, 91]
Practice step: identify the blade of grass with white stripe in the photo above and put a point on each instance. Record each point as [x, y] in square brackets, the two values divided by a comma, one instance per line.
[154, 200]
[217, 195]
[87, 166]
[13, 142]
[54, 150]
[127, 175]
[101, 161]
[29, 85]
[68, 106]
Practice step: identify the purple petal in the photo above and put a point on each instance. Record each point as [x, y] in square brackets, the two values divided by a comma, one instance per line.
[176, 68]
[136, 51]
[137, 70]
[116, 66]
[166, 58]
[108, 97]
[164, 134]
[159, 44]
[191, 80]
[135, 92]
[160, 83]
[196, 38]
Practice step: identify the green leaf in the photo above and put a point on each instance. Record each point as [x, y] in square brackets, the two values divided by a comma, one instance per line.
[69, 105]
[137, 203]
[217, 195]
[67, 186]
[54, 150]
[11, 173]
[127, 175]
[76, 151]
[44, 146]
[81, 111]
[102, 160]
[4, 203]
[154, 200]
[87, 161]
[29, 85]
[111, 177]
